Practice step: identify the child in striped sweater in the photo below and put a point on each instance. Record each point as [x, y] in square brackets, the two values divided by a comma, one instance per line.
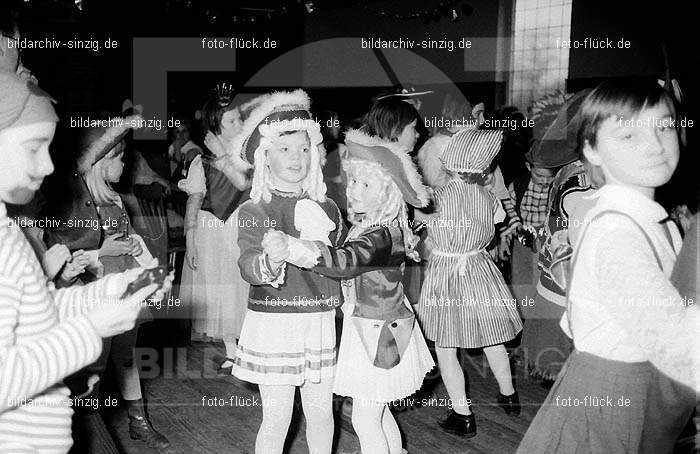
[45, 334]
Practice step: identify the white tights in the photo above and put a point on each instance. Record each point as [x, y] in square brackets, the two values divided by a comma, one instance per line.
[278, 404]
[375, 427]
[453, 375]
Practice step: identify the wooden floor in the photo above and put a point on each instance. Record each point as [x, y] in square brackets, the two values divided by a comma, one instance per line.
[192, 405]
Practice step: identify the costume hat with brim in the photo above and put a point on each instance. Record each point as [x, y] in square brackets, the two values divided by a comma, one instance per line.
[404, 93]
[472, 150]
[268, 116]
[557, 119]
[395, 161]
[108, 136]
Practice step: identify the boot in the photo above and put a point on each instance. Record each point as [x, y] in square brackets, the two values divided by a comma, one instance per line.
[511, 404]
[140, 427]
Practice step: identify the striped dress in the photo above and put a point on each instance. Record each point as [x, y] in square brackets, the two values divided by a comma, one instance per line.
[44, 337]
[464, 300]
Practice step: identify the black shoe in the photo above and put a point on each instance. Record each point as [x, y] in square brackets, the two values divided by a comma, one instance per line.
[462, 425]
[141, 429]
[511, 404]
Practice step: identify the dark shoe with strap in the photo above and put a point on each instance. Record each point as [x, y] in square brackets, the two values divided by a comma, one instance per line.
[511, 404]
[141, 429]
[462, 425]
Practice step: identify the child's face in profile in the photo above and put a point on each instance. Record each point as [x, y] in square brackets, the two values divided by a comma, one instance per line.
[641, 152]
[115, 164]
[230, 123]
[289, 158]
[26, 160]
[409, 136]
[365, 189]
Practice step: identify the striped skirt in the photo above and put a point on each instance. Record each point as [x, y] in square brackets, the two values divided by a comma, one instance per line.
[286, 348]
[466, 303]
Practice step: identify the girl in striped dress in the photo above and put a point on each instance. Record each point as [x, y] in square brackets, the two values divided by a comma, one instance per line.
[465, 302]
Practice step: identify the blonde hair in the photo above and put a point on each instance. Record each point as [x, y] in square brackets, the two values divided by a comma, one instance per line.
[312, 185]
[393, 209]
[96, 180]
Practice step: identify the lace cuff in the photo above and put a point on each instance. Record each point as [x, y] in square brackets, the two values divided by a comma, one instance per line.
[268, 276]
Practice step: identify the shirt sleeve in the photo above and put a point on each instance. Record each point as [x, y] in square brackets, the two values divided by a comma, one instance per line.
[195, 181]
[79, 299]
[642, 299]
[430, 163]
[253, 263]
[38, 363]
[499, 185]
[375, 249]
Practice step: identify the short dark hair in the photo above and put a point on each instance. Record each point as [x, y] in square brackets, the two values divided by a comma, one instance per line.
[623, 98]
[388, 117]
[212, 112]
[9, 13]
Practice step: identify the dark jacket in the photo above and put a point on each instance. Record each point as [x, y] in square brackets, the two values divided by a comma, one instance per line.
[375, 260]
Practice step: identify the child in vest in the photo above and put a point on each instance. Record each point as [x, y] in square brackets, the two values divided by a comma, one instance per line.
[383, 356]
[112, 248]
[216, 188]
[288, 335]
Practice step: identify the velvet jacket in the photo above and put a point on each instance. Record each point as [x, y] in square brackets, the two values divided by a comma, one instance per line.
[375, 260]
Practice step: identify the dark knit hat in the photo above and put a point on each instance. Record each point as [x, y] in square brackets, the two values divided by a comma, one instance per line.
[22, 102]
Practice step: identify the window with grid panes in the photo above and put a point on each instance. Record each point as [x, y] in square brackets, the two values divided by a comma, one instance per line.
[539, 61]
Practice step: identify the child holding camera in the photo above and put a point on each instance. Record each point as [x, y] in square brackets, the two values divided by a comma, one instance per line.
[45, 334]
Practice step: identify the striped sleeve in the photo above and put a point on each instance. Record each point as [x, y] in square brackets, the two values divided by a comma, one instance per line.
[37, 363]
[78, 299]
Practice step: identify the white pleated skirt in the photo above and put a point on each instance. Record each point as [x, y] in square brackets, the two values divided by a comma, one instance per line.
[286, 348]
[356, 376]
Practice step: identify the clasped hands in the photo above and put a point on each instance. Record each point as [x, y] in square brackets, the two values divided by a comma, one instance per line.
[275, 245]
[280, 247]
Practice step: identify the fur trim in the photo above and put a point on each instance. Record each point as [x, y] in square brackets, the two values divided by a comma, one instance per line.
[261, 107]
[414, 179]
[110, 138]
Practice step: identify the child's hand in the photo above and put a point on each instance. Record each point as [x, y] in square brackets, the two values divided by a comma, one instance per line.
[113, 247]
[191, 249]
[54, 259]
[135, 247]
[275, 246]
[116, 317]
[215, 144]
[75, 266]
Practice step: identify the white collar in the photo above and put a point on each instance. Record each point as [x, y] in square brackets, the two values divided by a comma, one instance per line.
[4, 220]
[632, 202]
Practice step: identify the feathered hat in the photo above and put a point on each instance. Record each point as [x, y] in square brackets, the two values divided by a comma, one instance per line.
[394, 160]
[555, 132]
[102, 138]
[267, 116]
[472, 150]
[406, 92]
[264, 119]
